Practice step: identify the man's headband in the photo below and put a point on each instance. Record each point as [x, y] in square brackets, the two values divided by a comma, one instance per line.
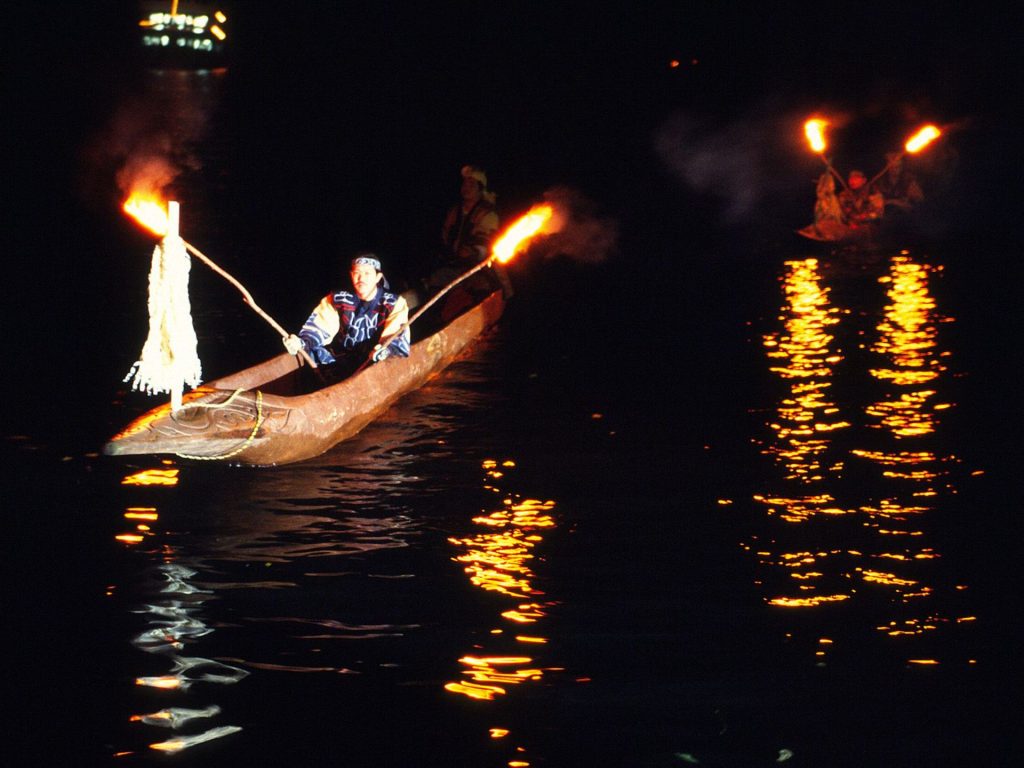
[373, 262]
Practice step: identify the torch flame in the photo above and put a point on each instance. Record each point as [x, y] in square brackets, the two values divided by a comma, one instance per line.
[814, 129]
[149, 212]
[519, 233]
[922, 139]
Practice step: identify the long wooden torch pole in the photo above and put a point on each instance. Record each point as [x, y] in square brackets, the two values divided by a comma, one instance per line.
[833, 171]
[172, 212]
[888, 165]
[482, 265]
[433, 299]
[245, 295]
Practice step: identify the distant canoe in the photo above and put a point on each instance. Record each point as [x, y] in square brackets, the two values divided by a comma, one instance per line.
[256, 416]
[895, 228]
[840, 234]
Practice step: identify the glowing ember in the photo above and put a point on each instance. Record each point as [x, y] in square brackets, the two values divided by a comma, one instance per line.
[814, 129]
[519, 233]
[922, 139]
[149, 212]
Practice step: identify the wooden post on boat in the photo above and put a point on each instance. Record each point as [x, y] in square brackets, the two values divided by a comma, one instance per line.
[168, 359]
[173, 219]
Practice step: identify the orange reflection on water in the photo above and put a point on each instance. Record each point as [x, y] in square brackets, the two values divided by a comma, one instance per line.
[152, 477]
[166, 682]
[795, 509]
[886, 578]
[172, 745]
[474, 691]
[860, 497]
[907, 339]
[802, 355]
[527, 613]
[141, 513]
[806, 602]
[499, 560]
[491, 672]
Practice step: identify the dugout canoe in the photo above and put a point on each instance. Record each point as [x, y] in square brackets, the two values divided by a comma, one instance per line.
[254, 417]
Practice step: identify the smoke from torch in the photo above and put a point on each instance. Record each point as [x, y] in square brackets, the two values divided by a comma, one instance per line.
[539, 220]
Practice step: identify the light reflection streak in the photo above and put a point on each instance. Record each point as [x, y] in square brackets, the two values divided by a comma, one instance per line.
[152, 477]
[175, 623]
[907, 342]
[803, 354]
[180, 743]
[499, 559]
[340, 524]
[853, 547]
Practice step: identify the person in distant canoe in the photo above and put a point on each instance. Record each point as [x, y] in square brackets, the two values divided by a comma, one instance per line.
[466, 235]
[861, 204]
[350, 328]
[898, 186]
[828, 213]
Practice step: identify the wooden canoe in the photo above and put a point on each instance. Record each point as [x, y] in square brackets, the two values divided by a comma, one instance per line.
[254, 417]
[840, 234]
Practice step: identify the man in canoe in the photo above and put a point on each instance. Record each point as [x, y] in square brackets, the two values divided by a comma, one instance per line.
[861, 203]
[466, 235]
[471, 223]
[350, 328]
[828, 214]
[898, 185]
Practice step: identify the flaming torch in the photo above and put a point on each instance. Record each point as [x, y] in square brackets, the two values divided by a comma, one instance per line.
[539, 220]
[168, 359]
[916, 143]
[814, 130]
[922, 139]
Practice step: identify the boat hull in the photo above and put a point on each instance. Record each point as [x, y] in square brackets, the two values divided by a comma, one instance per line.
[234, 420]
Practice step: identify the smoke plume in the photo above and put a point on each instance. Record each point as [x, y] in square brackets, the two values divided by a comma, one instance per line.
[148, 142]
[582, 235]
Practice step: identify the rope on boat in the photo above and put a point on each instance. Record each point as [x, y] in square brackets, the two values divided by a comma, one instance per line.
[227, 402]
[169, 359]
[248, 440]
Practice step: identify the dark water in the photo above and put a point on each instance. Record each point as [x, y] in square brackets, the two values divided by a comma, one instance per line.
[718, 499]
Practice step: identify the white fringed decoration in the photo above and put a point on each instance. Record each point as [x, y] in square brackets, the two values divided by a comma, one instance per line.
[169, 358]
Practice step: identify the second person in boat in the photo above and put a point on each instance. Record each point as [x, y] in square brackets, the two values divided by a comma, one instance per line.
[350, 328]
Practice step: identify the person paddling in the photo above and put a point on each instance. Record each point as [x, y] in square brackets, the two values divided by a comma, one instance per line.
[350, 327]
